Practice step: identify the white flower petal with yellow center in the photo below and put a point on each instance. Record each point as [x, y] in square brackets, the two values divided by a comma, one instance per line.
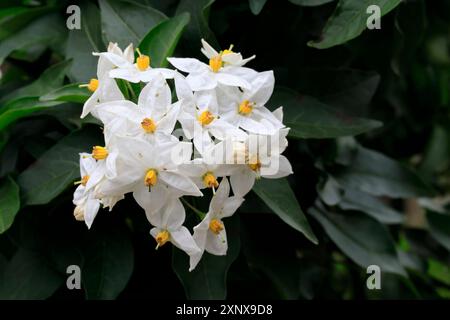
[246, 109]
[148, 170]
[103, 88]
[169, 227]
[224, 68]
[210, 234]
[153, 118]
[199, 116]
[138, 71]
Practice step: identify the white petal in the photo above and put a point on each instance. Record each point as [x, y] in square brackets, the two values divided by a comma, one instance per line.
[188, 65]
[183, 90]
[231, 80]
[217, 244]
[150, 200]
[182, 185]
[202, 81]
[183, 240]
[283, 168]
[231, 205]
[115, 59]
[90, 211]
[242, 182]
[207, 50]
[262, 88]
[220, 197]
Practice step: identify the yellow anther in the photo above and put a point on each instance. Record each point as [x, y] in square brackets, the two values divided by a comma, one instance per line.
[228, 51]
[99, 153]
[84, 180]
[162, 237]
[215, 63]
[148, 125]
[255, 164]
[245, 108]
[151, 178]
[143, 61]
[209, 180]
[205, 118]
[92, 85]
[216, 226]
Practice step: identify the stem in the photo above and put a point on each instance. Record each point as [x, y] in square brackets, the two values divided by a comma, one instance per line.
[130, 89]
[200, 214]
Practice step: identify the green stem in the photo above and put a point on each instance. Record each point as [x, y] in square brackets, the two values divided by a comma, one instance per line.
[200, 214]
[130, 89]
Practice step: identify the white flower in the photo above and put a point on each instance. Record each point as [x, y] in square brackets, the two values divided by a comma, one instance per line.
[246, 108]
[87, 206]
[103, 88]
[210, 234]
[139, 71]
[264, 161]
[200, 117]
[224, 68]
[153, 118]
[148, 170]
[168, 224]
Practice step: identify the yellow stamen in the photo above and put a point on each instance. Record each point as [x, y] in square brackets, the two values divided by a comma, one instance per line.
[92, 85]
[228, 51]
[148, 125]
[151, 178]
[255, 164]
[143, 61]
[215, 63]
[209, 180]
[162, 237]
[205, 118]
[84, 180]
[99, 153]
[216, 226]
[245, 108]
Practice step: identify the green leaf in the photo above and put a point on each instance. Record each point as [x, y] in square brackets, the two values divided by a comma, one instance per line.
[349, 20]
[198, 26]
[50, 79]
[363, 239]
[439, 228]
[309, 3]
[81, 43]
[439, 271]
[42, 31]
[310, 118]
[278, 196]
[256, 6]
[375, 173]
[67, 93]
[9, 203]
[28, 276]
[361, 201]
[21, 108]
[126, 21]
[161, 41]
[56, 169]
[109, 263]
[208, 279]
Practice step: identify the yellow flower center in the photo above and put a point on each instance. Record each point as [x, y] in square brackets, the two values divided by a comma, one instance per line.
[162, 237]
[216, 226]
[148, 125]
[205, 118]
[255, 164]
[151, 178]
[228, 51]
[245, 108]
[209, 180]
[215, 63]
[92, 85]
[99, 153]
[84, 180]
[143, 61]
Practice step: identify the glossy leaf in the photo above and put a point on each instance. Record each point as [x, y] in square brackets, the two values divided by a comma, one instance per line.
[67, 93]
[56, 169]
[310, 118]
[9, 203]
[126, 21]
[278, 196]
[362, 239]
[309, 3]
[161, 41]
[349, 20]
[256, 6]
[440, 228]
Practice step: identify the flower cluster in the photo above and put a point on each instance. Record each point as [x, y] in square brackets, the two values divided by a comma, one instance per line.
[217, 135]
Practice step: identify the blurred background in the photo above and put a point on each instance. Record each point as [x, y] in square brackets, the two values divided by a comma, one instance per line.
[369, 144]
